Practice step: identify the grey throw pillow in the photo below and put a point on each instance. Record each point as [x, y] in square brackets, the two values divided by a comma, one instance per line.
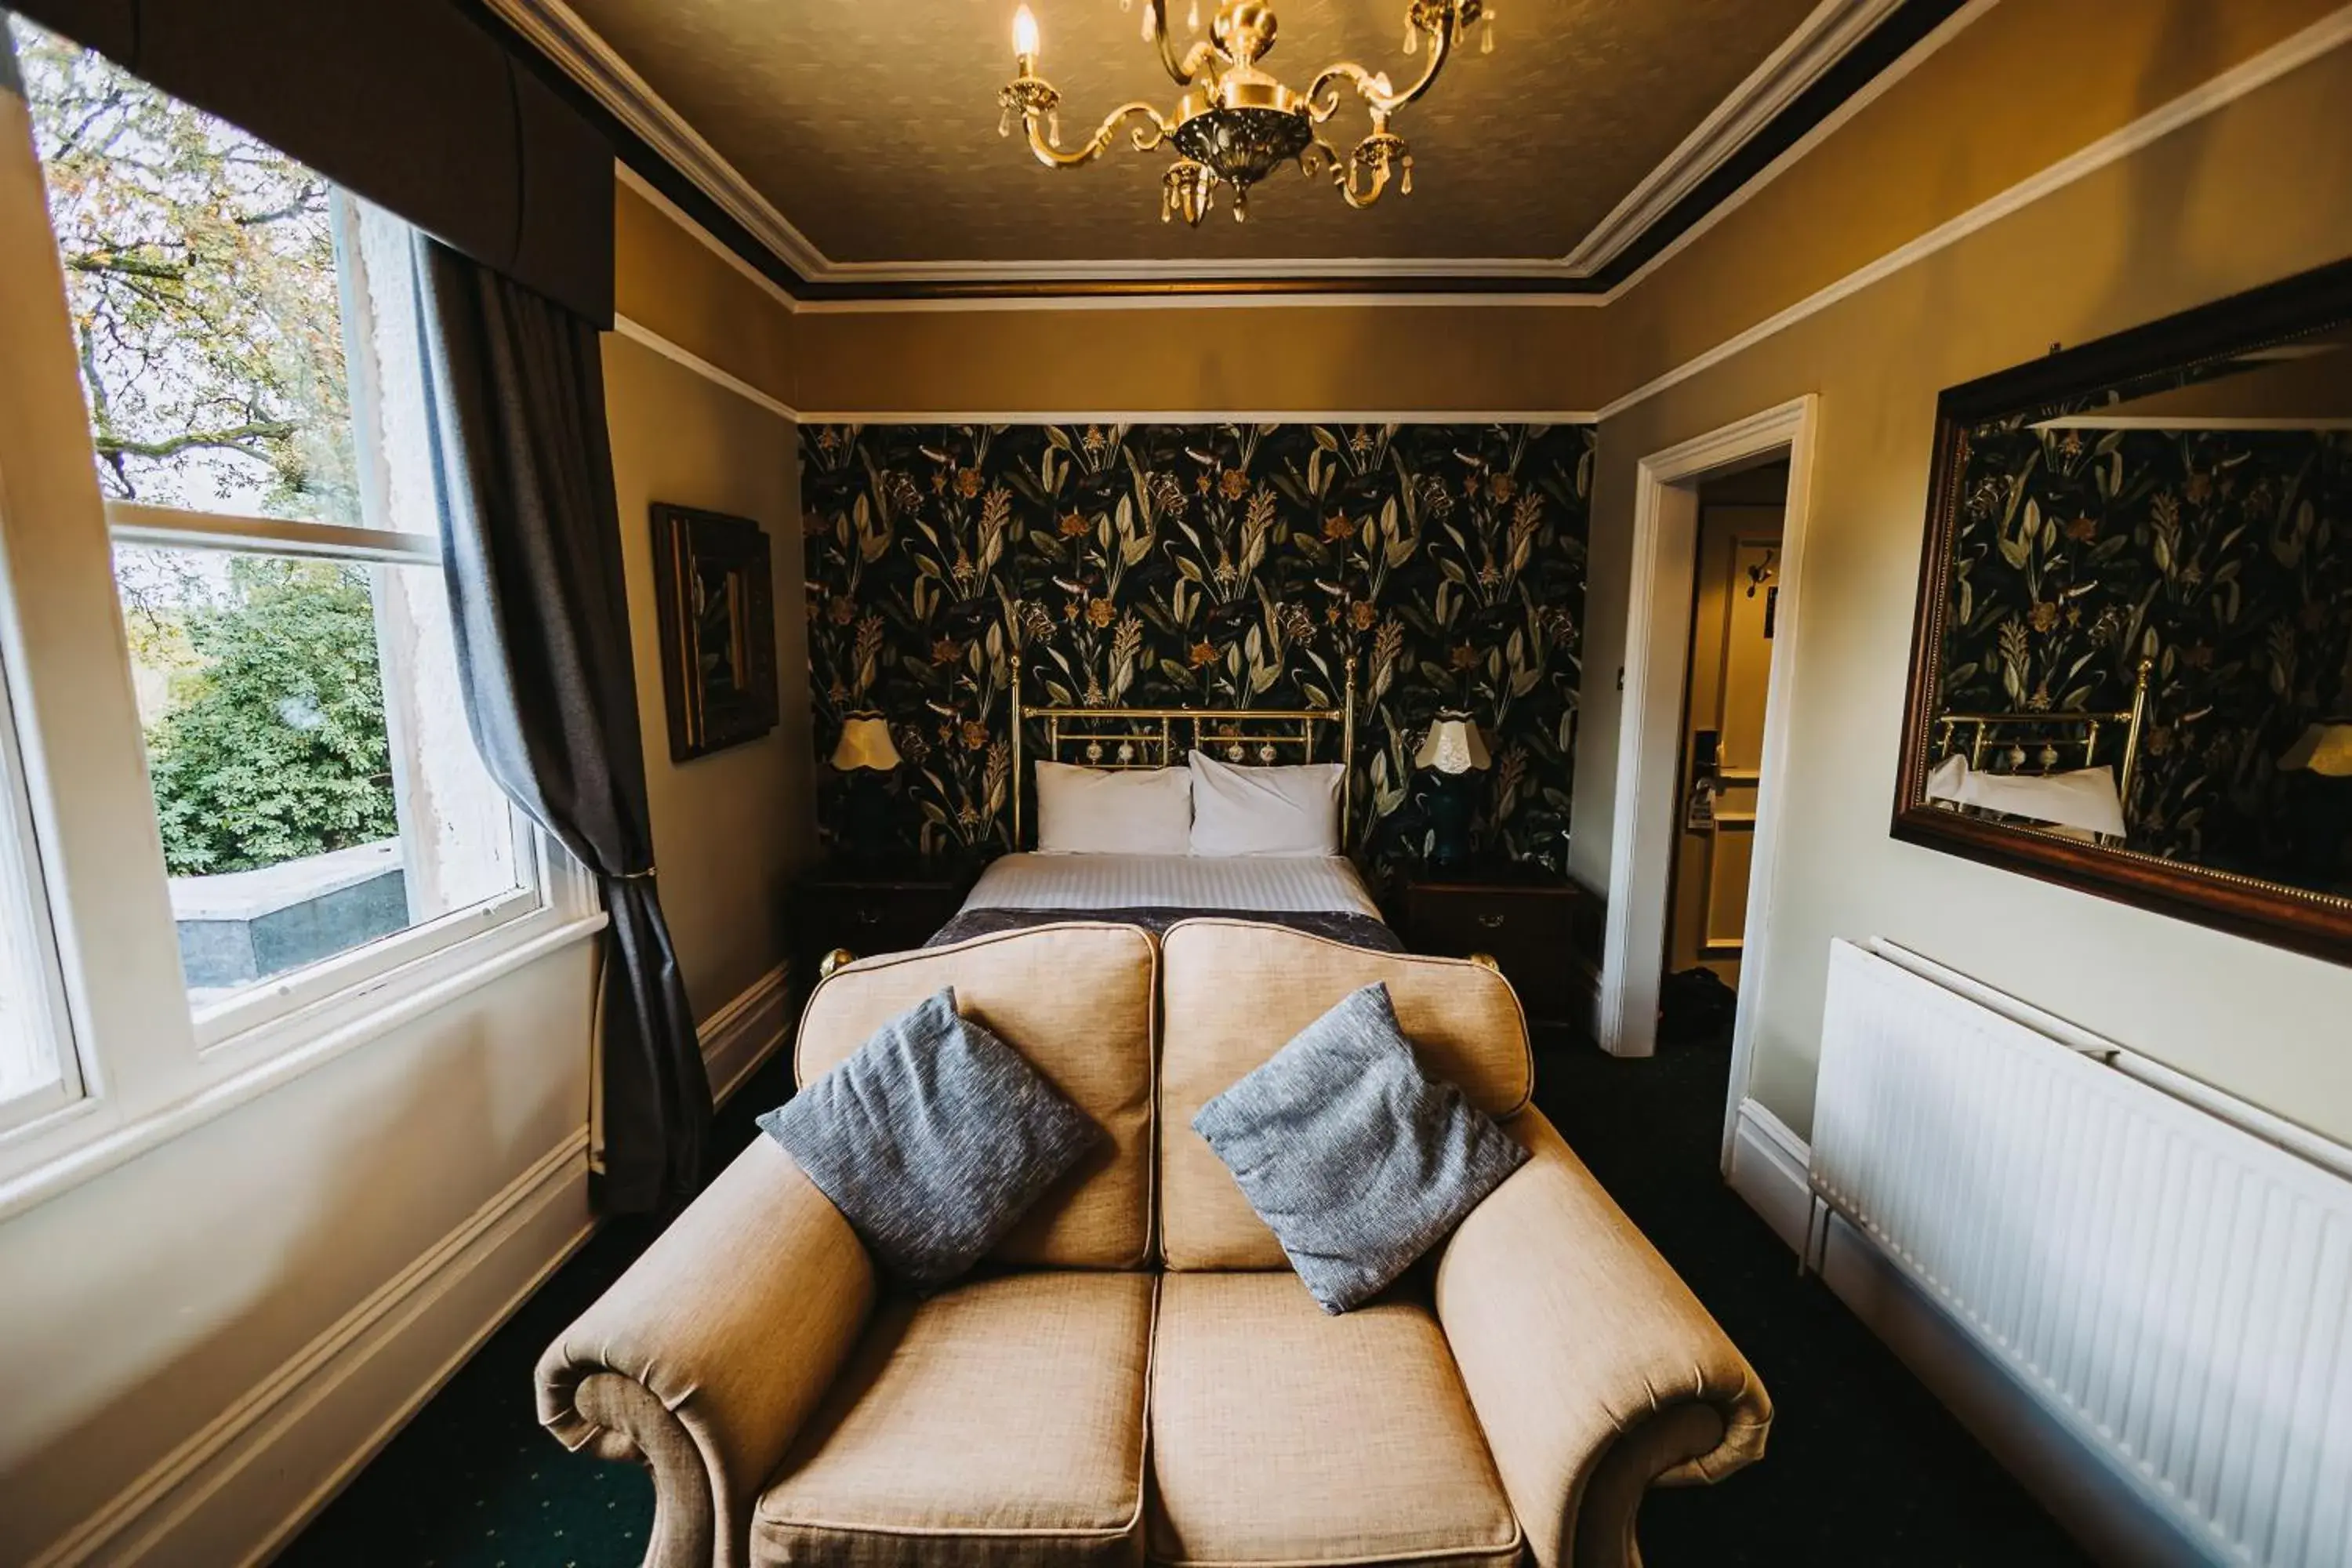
[932, 1138]
[1357, 1163]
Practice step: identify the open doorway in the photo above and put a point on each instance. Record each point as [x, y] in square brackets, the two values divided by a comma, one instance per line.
[1727, 693]
[1734, 467]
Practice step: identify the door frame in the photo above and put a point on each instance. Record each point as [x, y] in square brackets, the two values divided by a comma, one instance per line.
[1740, 823]
[1650, 718]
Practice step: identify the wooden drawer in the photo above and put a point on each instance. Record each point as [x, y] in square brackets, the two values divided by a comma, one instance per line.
[870, 917]
[1531, 932]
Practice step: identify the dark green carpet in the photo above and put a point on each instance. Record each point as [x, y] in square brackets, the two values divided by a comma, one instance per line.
[1865, 1466]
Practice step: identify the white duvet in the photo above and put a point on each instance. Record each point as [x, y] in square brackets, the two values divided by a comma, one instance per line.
[1283, 884]
[2084, 799]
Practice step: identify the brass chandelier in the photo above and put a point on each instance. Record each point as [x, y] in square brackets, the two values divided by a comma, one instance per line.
[1237, 124]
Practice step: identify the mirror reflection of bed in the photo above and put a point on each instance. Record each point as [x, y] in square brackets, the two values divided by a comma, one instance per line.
[2145, 617]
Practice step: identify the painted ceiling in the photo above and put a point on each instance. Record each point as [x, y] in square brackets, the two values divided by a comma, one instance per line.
[871, 125]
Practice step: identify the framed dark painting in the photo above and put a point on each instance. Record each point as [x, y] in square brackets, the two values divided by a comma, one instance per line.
[717, 595]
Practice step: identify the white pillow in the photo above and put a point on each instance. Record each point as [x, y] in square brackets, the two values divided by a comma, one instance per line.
[1113, 811]
[1264, 811]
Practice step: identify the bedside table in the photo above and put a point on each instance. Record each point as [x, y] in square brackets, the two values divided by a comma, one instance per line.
[868, 908]
[1542, 930]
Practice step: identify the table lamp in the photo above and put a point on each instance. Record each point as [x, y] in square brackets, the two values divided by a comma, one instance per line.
[1451, 753]
[865, 756]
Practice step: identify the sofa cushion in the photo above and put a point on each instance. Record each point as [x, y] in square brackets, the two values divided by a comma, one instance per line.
[1001, 1422]
[932, 1138]
[1235, 992]
[1352, 1156]
[1077, 1002]
[1282, 1435]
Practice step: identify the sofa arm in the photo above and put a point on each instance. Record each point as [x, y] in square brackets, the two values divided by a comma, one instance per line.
[703, 1360]
[1593, 1370]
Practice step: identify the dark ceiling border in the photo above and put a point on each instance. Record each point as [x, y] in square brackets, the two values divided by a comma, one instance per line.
[1906, 27]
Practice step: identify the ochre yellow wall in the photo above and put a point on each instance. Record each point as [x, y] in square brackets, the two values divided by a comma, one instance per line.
[732, 829]
[1305, 359]
[2253, 191]
[668, 280]
[2024, 86]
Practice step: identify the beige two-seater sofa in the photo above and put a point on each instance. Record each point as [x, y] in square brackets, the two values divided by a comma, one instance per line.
[1138, 1375]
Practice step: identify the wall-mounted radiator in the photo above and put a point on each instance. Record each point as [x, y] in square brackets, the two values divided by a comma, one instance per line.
[2174, 1287]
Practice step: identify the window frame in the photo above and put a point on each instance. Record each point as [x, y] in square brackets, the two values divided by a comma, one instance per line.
[244, 1022]
[24, 885]
[143, 1069]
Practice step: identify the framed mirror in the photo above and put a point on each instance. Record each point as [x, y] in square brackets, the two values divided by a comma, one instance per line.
[2131, 666]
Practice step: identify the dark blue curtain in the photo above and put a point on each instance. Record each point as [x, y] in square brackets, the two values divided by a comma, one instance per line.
[531, 549]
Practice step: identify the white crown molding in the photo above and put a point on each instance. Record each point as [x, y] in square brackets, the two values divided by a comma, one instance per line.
[1796, 153]
[1824, 39]
[1387, 300]
[693, 225]
[1200, 416]
[2329, 33]
[1209, 270]
[1821, 40]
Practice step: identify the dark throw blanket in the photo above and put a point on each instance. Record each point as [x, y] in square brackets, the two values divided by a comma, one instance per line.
[1356, 931]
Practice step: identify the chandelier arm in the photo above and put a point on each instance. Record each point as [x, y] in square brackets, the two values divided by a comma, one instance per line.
[1345, 178]
[1145, 137]
[1177, 67]
[1330, 80]
[1440, 50]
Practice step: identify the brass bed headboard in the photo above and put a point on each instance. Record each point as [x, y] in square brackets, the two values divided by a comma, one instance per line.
[1985, 730]
[1162, 737]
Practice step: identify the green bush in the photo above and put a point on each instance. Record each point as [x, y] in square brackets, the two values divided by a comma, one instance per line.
[275, 748]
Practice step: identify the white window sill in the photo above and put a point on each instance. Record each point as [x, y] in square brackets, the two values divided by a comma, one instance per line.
[280, 1014]
[335, 1027]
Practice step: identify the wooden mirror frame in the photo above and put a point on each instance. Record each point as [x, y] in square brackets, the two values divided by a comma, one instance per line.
[2270, 912]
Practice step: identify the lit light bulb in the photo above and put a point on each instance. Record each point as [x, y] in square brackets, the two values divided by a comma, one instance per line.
[1024, 33]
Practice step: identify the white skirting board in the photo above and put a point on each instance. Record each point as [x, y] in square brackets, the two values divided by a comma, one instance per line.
[2075, 1482]
[238, 1490]
[240, 1486]
[739, 1038]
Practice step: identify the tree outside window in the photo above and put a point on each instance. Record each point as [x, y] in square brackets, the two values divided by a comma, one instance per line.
[206, 303]
[251, 354]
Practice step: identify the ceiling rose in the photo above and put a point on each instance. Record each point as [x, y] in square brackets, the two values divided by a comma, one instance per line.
[1237, 124]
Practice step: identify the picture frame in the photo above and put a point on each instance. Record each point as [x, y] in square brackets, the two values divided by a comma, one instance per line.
[2267, 322]
[715, 586]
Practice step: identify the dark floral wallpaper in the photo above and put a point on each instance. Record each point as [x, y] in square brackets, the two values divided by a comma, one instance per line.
[1201, 566]
[2223, 556]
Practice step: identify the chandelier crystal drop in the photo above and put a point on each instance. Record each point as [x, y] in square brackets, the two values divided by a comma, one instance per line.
[1236, 124]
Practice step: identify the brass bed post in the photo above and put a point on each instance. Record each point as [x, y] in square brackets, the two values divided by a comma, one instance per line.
[1348, 754]
[1018, 665]
[2131, 736]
